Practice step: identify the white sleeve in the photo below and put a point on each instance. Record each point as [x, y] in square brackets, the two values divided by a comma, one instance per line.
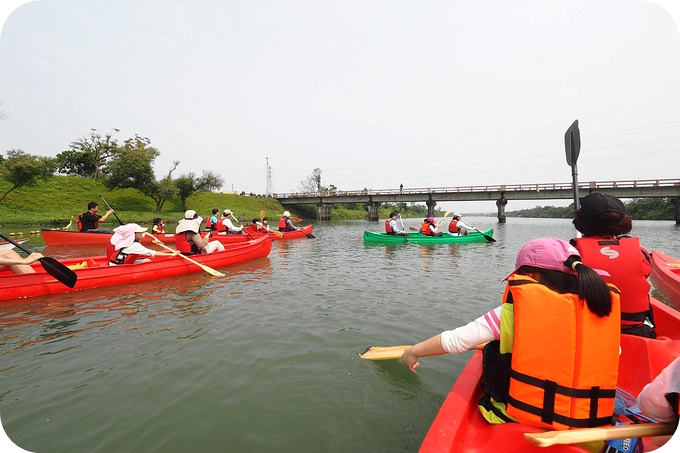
[652, 399]
[483, 329]
[138, 249]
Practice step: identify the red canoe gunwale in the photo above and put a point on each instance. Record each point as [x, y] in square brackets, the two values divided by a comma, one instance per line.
[59, 238]
[6, 245]
[302, 233]
[666, 276]
[459, 425]
[99, 274]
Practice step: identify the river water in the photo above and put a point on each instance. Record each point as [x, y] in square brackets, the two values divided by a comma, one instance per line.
[264, 359]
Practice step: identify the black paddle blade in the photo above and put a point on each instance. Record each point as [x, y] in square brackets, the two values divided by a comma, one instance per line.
[59, 271]
[310, 236]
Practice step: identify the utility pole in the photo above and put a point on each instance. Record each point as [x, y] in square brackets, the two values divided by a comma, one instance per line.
[268, 190]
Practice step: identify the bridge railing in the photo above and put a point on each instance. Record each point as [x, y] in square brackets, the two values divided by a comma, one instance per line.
[624, 184]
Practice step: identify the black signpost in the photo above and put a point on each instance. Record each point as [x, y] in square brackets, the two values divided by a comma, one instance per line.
[572, 145]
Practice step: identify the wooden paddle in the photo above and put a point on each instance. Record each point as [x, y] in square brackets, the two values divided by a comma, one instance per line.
[577, 436]
[391, 352]
[209, 270]
[412, 228]
[51, 266]
[486, 236]
[278, 233]
[242, 227]
[446, 214]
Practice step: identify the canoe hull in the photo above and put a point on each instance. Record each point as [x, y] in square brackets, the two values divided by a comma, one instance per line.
[371, 237]
[460, 426]
[6, 245]
[666, 276]
[304, 231]
[59, 238]
[98, 273]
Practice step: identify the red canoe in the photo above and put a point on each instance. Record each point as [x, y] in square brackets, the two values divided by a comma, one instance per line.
[460, 426]
[302, 233]
[666, 276]
[60, 238]
[94, 272]
[6, 245]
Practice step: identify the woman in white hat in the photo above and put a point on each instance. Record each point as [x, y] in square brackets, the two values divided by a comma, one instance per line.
[125, 248]
[285, 224]
[225, 226]
[188, 239]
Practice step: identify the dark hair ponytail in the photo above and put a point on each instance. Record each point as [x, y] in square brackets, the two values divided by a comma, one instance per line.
[591, 287]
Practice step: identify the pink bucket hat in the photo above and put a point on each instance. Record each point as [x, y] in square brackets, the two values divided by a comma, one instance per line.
[124, 235]
[547, 253]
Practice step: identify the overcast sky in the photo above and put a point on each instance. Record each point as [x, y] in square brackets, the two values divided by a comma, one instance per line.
[374, 93]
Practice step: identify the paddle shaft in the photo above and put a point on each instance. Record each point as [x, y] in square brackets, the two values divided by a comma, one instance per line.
[577, 436]
[209, 270]
[242, 228]
[51, 266]
[109, 206]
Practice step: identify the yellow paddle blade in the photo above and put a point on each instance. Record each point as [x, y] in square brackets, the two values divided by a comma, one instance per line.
[261, 215]
[412, 228]
[384, 352]
[577, 436]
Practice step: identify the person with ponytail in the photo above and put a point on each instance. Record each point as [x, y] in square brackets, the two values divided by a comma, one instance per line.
[557, 330]
[602, 220]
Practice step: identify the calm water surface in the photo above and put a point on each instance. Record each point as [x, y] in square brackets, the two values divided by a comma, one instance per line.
[265, 359]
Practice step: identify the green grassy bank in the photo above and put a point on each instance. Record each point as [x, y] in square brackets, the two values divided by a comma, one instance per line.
[51, 203]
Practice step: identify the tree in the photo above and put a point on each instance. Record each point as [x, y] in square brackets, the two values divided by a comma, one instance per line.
[131, 167]
[312, 183]
[89, 156]
[21, 169]
[188, 184]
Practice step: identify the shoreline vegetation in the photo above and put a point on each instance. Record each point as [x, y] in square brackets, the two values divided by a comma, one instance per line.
[58, 200]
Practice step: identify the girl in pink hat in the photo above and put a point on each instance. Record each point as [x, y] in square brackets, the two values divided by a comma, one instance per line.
[558, 318]
[125, 248]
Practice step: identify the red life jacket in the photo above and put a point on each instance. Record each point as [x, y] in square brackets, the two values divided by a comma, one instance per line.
[622, 259]
[118, 256]
[453, 226]
[208, 223]
[219, 225]
[283, 223]
[388, 227]
[80, 223]
[425, 229]
[185, 247]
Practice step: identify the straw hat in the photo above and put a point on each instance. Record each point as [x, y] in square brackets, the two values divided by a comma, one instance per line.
[190, 222]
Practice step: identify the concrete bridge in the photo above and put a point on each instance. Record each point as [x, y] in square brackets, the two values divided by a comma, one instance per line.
[502, 194]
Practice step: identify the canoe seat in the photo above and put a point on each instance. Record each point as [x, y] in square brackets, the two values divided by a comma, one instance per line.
[642, 359]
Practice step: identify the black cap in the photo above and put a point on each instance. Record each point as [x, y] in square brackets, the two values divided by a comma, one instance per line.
[596, 203]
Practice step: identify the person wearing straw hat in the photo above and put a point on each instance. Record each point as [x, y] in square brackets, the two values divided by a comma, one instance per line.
[459, 226]
[125, 248]
[188, 239]
[225, 226]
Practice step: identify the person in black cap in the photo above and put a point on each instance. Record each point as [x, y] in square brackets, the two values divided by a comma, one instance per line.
[606, 245]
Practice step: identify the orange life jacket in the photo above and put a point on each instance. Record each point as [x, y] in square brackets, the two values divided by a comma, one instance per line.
[425, 229]
[622, 259]
[388, 227]
[564, 364]
[119, 256]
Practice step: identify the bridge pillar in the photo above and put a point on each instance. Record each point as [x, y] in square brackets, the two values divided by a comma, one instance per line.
[676, 203]
[373, 214]
[501, 202]
[324, 211]
[430, 203]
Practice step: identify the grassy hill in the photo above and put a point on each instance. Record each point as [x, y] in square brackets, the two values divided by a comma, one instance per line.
[51, 203]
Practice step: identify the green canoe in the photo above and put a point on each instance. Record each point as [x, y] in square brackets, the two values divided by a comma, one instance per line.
[371, 237]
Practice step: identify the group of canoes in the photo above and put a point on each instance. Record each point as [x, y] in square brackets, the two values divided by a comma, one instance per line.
[74, 274]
